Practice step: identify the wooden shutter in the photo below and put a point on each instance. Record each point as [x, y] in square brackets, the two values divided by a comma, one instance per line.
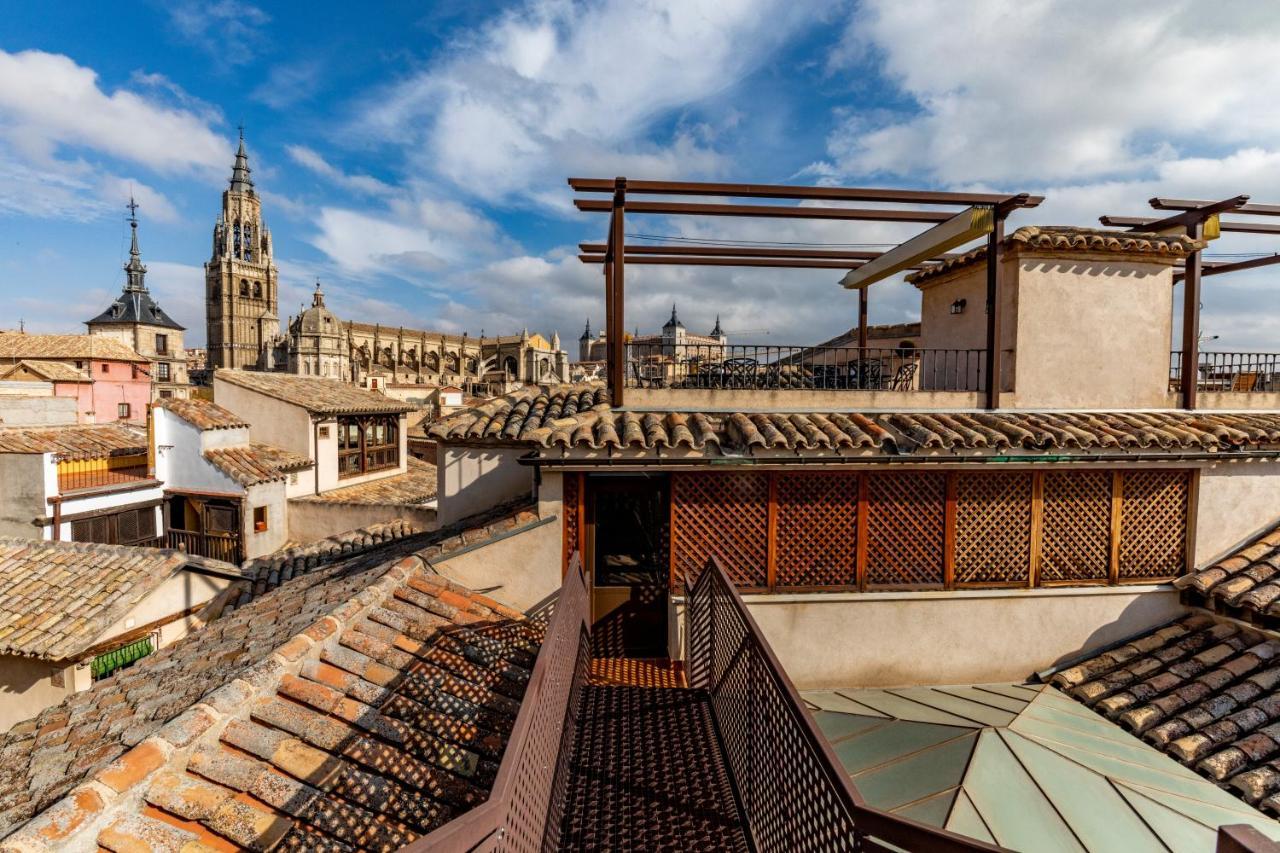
[722, 514]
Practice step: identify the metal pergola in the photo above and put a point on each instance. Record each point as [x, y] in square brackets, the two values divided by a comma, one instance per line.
[982, 214]
[1200, 220]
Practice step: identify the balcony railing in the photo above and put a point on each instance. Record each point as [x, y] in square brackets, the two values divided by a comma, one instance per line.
[1241, 372]
[215, 546]
[776, 367]
[71, 481]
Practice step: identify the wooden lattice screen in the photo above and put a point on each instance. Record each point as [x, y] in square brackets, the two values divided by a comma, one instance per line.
[722, 514]
[1153, 541]
[817, 529]
[993, 528]
[905, 528]
[1077, 526]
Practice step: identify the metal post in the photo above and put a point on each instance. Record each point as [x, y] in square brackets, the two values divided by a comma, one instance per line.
[862, 318]
[617, 346]
[995, 292]
[1191, 321]
[608, 323]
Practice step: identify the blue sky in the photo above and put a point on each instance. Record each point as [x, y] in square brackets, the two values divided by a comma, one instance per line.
[412, 156]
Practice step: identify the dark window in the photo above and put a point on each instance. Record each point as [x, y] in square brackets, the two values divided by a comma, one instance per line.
[162, 372]
[165, 395]
[259, 519]
[368, 444]
[162, 344]
[79, 365]
[123, 410]
[257, 290]
[104, 368]
[244, 287]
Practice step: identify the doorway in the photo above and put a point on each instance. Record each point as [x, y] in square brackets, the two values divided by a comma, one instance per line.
[628, 525]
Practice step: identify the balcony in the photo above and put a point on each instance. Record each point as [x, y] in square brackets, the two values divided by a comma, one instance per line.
[1232, 379]
[72, 478]
[215, 546]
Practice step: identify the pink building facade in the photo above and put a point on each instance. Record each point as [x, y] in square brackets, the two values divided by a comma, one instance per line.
[117, 391]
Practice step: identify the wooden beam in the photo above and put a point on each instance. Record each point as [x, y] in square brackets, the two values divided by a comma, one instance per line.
[737, 252]
[862, 318]
[1218, 268]
[655, 260]
[1191, 324]
[1117, 514]
[995, 311]
[876, 194]
[771, 560]
[767, 211]
[1191, 204]
[618, 346]
[949, 534]
[957, 230]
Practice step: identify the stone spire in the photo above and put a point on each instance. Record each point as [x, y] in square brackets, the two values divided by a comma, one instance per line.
[317, 298]
[717, 332]
[135, 272]
[674, 322]
[555, 340]
[240, 180]
[586, 333]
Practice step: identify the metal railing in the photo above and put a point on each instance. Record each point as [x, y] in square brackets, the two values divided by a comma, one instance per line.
[523, 812]
[794, 794]
[1240, 372]
[215, 546]
[74, 480]
[770, 367]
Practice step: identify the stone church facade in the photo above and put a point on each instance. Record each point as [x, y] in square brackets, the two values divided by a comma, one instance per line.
[241, 283]
[243, 322]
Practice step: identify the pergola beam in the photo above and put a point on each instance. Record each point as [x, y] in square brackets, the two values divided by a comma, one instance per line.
[1218, 268]
[745, 252]
[783, 263]
[873, 194]
[963, 227]
[766, 211]
[1191, 204]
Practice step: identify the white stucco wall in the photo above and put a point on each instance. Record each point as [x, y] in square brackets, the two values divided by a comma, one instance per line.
[962, 637]
[473, 479]
[271, 421]
[519, 571]
[1236, 501]
[272, 496]
[28, 686]
[180, 463]
[22, 493]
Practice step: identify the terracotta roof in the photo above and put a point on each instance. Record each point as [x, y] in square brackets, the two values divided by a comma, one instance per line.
[202, 414]
[424, 678]
[15, 345]
[1067, 238]
[416, 486]
[1202, 690]
[1247, 580]
[85, 441]
[316, 395]
[60, 596]
[54, 371]
[580, 416]
[256, 463]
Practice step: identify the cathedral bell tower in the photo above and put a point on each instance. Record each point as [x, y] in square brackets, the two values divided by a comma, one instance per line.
[241, 298]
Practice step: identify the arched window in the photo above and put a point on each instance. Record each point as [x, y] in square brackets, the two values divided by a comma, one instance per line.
[217, 291]
[244, 287]
[248, 242]
[236, 240]
[306, 368]
[511, 367]
[257, 290]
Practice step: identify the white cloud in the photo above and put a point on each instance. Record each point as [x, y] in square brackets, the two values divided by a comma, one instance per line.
[556, 86]
[1039, 91]
[229, 30]
[312, 161]
[289, 84]
[65, 142]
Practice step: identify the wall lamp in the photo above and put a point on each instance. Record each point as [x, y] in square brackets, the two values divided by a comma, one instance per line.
[957, 307]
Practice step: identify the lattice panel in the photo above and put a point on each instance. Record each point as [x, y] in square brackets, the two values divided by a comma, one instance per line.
[572, 485]
[1153, 526]
[905, 528]
[722, 514]
[993, 528]
[817, 529]
[1077, 526]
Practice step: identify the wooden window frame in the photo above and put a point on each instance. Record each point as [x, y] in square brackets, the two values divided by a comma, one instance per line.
[367, 453]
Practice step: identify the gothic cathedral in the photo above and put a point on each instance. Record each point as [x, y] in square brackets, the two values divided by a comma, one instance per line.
[241, 298]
